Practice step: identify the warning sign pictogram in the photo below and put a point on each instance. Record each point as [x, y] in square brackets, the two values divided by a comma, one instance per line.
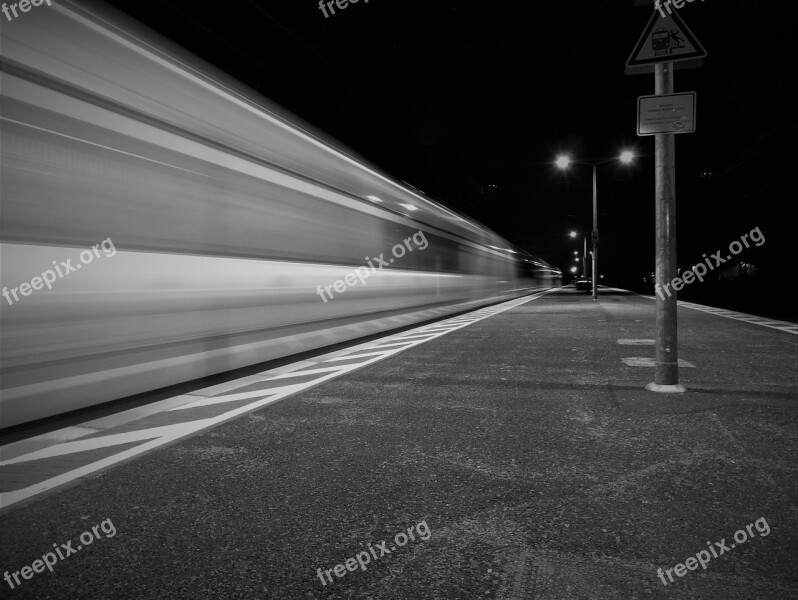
[664, 40]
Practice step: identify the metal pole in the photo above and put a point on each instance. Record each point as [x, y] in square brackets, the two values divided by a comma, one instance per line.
[584, 258]
[666, 370]
[595, 236]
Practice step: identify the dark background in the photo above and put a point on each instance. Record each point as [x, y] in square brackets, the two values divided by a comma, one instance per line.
[472, 101]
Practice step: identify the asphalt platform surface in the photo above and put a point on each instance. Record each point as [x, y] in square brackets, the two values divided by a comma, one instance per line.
[521, 452]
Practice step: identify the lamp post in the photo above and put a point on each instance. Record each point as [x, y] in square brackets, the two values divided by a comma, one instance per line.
[574, 234]
[563, 162]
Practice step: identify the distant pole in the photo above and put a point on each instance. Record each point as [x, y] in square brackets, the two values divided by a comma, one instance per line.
[595, 236]
[584, 258]
[666, 370]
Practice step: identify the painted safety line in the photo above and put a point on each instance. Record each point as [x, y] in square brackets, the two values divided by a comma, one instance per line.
[351, 356]
[784, 326]
[94, 446]
[397, 343]
[752, 319]
[241, 396]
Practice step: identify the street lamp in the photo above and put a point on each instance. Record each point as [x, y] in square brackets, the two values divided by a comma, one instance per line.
[574, 234]
[562, 162]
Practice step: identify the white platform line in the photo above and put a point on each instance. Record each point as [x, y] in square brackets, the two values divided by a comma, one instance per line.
[214, 400]
[784, 326]
[351, 356]
[154, 437]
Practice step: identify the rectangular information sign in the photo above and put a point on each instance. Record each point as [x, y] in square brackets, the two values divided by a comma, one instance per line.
[668, 113]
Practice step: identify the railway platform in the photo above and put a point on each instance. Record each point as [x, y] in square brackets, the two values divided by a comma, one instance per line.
[509, 453]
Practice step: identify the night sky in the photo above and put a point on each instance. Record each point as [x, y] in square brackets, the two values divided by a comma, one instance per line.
[472, 101]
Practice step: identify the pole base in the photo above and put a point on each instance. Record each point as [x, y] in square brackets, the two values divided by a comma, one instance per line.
[666, 389]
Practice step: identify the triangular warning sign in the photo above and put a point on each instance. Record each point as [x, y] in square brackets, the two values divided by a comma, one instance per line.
[665, 39]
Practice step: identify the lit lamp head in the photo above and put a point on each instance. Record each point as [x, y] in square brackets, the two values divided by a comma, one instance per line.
[563, 161]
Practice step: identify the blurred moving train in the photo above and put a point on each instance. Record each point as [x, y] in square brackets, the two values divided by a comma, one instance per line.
[224, 213]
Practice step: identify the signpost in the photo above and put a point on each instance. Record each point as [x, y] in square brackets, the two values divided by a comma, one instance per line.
[665, 41]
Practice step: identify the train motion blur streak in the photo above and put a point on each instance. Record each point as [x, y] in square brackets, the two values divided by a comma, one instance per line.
[226, 214]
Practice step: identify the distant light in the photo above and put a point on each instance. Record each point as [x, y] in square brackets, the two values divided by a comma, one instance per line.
[627, 156]
[601, 276]
[573, 234]
[573, 269]
[576, 252]
[563, 161]
[576, 259]
[409, 206]
[374, 198]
